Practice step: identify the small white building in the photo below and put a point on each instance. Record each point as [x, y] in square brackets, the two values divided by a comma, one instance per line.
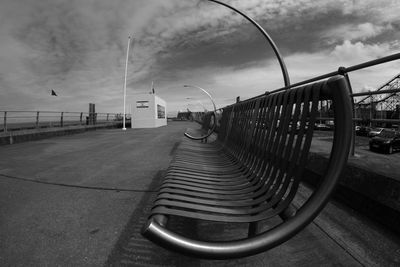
[148, 111]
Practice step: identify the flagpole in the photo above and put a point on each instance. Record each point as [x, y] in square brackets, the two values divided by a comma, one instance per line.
[126, 73]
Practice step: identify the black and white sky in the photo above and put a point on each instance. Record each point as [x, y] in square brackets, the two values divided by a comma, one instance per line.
[78, 49]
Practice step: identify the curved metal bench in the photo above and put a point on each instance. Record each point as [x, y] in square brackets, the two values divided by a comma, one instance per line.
[251, 173]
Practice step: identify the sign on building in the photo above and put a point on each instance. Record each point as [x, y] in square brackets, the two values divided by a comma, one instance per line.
[142, 104]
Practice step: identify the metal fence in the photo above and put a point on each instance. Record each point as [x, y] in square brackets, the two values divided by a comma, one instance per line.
[25, 120]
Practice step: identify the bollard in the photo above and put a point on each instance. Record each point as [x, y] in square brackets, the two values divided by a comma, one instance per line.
[37, 120]
[5, 122]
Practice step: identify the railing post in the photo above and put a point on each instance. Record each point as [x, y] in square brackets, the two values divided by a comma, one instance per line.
[81, 117]
[343, 71]
[370, 110]
[37, 119]
[320, 111]
[5, 122]
[62, 119]
[353, 131]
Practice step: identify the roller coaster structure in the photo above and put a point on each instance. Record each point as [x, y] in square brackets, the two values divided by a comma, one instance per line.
[380, 107]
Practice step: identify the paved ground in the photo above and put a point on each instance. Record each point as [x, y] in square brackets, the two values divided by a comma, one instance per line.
[81, 201]
[53, 225]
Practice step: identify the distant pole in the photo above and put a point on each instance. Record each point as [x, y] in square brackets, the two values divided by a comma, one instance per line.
[126, 73]
[370, 111]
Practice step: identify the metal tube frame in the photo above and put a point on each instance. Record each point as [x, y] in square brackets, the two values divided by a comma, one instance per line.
[274, 48]
[214, 112]
[266, 35]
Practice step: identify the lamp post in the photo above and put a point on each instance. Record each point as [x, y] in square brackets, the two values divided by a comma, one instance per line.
[126, 73]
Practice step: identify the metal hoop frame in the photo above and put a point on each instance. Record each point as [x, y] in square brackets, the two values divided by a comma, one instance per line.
[214, 113]
[274, 48]
[266, 35]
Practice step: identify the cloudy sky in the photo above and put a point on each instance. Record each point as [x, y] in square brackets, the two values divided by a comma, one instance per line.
[78, 48]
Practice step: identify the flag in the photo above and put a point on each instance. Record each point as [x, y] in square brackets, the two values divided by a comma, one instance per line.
[53, 93]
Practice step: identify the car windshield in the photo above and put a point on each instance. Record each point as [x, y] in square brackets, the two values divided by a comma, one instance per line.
[387, 134]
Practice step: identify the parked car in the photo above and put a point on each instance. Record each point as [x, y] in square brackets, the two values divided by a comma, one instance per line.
[374, 132]
[321, 127]
[362, 130]
[386, 140]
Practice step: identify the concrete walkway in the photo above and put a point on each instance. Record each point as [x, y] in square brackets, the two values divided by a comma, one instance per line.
[81, 200]
[45, 224]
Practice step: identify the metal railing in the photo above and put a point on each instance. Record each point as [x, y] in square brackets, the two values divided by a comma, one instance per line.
[25, 120]
[369, 114]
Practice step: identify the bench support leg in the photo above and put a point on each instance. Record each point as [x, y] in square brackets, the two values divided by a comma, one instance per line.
[287, 213]
[254, 229]
[161, 220]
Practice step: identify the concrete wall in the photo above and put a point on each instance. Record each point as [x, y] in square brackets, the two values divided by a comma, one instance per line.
[14, 137]
[148, 111]
[372, 194]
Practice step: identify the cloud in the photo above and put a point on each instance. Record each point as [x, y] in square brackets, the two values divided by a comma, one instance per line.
[383, 11]
[257, 78]
[78, 47]
[359, 52]
[361, 32]
[297, 26]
